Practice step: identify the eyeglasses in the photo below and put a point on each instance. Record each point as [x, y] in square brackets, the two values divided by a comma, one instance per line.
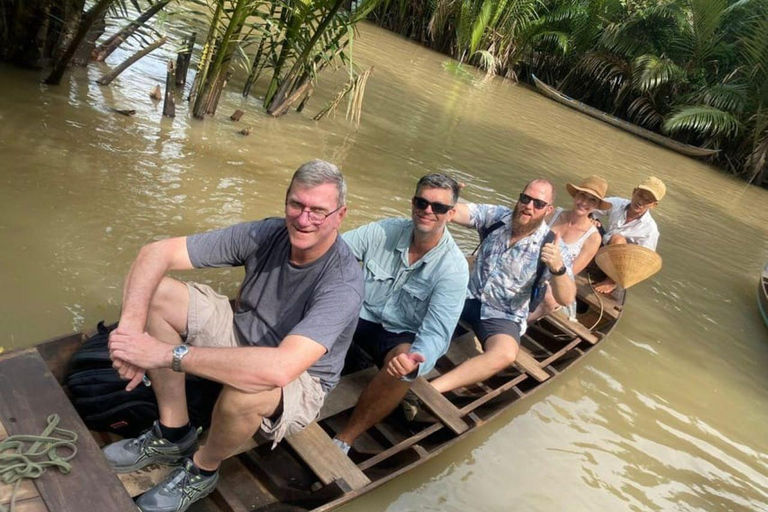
[439, 208]
[537, 203]
[316, 216]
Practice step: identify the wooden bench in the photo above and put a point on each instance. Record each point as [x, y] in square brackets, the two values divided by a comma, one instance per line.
[439, 406]
[559, 320]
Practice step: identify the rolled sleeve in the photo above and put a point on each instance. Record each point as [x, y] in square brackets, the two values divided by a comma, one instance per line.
[445, 306]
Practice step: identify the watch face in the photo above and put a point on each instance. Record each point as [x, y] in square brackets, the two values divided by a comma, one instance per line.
[180, 350]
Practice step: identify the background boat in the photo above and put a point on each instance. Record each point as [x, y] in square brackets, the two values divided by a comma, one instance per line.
[685, 149]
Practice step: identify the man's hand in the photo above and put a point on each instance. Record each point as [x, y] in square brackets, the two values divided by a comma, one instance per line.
[550, 254]
[133, 354]
[404, 364]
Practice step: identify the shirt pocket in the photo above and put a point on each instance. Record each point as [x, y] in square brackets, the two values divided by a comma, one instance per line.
[378, 283]
[414, 301]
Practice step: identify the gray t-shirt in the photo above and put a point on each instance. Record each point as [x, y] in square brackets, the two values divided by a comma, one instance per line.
[320, 300]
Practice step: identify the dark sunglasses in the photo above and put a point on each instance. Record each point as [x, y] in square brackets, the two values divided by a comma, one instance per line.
[439, 208]
[537, 203]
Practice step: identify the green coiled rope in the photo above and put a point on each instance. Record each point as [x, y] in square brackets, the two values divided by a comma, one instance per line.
[19, 459]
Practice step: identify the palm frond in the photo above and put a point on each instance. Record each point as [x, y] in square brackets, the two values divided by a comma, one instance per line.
[652, 71]
[702, 120]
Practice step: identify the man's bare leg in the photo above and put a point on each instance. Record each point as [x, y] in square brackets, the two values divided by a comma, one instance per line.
[380, 397]
[500, 352]
[236, 417]
[167, 318]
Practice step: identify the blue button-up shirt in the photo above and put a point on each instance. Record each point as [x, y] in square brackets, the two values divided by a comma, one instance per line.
[425, 298]
[502, 278]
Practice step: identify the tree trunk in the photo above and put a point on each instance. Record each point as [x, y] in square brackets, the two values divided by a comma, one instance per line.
[26, 22]
[85, 24]
[169, 107]
[112, 43]
[83, 54]
[183, 59]
[108, 77]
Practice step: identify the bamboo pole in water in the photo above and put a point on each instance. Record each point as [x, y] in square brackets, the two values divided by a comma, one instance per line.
[106, 48]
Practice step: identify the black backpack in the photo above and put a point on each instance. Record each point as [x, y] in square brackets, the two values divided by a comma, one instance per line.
[99, 396]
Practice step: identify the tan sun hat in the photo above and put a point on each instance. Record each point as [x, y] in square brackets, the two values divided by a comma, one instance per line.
[594, 186]
[655, 186]
[628, 264]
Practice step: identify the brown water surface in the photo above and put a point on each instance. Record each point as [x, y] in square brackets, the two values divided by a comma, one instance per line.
[670, 414]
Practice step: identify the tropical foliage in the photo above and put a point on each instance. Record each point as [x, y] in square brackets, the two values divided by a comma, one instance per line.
[694, 70]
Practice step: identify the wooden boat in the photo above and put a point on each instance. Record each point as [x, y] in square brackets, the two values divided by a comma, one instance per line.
[685, 149]
[305, 471]
[762, 294]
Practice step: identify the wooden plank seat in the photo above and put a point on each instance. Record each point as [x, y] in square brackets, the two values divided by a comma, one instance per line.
[317, 449]
[90, 485]
[439, 406]
[559, 320]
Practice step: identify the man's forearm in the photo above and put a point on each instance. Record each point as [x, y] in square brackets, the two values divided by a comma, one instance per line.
[563, 289]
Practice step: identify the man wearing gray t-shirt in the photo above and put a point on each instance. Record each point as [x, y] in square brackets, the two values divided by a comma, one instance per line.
[276, 355]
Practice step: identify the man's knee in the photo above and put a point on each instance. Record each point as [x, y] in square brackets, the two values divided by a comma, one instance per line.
[503, 348]
[617, 240]
[233, 403]
[170, 304]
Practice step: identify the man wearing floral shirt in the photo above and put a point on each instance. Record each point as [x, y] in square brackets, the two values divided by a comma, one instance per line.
[501, 282]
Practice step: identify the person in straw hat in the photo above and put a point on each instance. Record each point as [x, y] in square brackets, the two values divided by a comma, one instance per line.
[629, 221]
[577, 231]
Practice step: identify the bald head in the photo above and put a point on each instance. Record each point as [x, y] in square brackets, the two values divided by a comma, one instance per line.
[545, 186]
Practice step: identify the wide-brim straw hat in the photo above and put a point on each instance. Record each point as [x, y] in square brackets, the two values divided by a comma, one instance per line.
[628, 264]
[594, 186]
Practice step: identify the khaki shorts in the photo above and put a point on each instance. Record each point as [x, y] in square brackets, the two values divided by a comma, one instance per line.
[210, 323]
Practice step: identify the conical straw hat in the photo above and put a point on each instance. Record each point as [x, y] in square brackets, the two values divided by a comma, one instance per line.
[627, 264]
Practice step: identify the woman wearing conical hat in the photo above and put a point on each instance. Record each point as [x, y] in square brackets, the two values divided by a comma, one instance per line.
[576, 230]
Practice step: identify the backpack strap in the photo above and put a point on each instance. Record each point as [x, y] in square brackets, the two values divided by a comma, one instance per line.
[484, 232]
[537, 290]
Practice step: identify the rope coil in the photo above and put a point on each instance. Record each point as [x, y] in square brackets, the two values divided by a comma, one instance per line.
[18, 462]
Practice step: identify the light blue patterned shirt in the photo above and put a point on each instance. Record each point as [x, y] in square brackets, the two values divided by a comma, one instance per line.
[425, 298]
[503, 276]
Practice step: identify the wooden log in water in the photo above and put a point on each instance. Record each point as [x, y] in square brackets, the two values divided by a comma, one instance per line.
[237, 115]
[169, 107]
[246, 131]
[108, 77]
[156, 94]
[128, 112]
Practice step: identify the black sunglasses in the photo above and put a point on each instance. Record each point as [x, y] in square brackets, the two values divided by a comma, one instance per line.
[439, 208]
[537, 203]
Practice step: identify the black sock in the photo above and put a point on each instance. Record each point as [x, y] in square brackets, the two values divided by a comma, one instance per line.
[205, 472]
[175, 434]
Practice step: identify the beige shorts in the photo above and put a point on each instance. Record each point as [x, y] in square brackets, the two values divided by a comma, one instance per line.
[210, 323]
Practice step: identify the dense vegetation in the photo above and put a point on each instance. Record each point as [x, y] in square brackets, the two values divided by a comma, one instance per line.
[695, 70]
[287, 41]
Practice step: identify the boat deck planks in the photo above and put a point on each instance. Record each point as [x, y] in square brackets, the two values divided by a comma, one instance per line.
[34, 395]
[440, 406]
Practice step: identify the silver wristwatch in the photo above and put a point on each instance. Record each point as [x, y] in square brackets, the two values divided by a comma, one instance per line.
[179, 351]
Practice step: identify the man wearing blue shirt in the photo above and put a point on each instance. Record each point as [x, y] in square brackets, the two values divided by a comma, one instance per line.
[415, 284]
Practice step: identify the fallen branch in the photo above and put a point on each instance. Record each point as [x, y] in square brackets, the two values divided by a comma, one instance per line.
[108, 77]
